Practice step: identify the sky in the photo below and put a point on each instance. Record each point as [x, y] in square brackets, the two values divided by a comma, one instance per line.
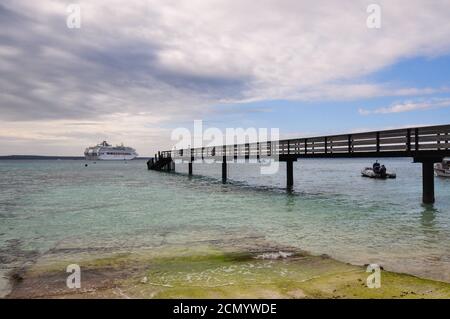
[134, 71]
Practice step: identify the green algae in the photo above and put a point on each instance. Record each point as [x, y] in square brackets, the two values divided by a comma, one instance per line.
[296, 277]
[212, 272]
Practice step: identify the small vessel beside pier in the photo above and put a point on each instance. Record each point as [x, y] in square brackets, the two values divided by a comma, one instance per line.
[377, 171]
[442, 169]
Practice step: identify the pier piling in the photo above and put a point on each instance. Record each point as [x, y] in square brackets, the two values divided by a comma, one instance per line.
[224, 170]
[428, 177]
[224, 164]
[428, 182]
[289, 174]
[190, 162]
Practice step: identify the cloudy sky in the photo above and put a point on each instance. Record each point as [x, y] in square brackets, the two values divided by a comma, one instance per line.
[136, 70]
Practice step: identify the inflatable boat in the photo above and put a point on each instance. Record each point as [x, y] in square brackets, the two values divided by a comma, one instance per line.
[377, 171]
[368, 172]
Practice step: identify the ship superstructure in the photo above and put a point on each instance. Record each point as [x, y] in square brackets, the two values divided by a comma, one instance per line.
[107, 152]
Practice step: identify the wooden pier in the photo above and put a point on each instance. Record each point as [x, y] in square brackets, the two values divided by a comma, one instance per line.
[426, 145]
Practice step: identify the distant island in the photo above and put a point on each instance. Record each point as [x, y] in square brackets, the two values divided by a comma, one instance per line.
[42, 157]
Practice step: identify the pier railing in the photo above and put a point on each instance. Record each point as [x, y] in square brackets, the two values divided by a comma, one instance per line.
[431, 140]
[427, 145]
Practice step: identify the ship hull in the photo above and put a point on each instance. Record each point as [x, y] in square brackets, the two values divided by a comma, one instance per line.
[116, 157]
[110, 157]
[442, 169]
[442, 172]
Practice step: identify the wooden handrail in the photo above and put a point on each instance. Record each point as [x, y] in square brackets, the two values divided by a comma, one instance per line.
[425, 139]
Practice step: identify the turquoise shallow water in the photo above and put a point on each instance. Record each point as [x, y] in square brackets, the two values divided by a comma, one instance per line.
[333, 210]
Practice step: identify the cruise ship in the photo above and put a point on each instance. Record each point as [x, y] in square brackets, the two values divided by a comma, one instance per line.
[107, 152]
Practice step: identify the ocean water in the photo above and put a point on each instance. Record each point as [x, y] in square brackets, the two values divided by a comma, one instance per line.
[121, 205]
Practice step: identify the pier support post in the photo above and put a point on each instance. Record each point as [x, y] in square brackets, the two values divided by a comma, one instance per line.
[224, 169]
[190, 162]
[289, 174]
[170, 166]
[224, 164]
[428, 182]
[427, 178]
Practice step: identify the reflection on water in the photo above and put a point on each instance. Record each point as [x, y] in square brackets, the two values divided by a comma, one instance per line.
[428, 220]
[428, 216]
[63, 205]
[290, 202]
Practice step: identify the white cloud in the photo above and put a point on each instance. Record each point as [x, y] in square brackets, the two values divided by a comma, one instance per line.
[409, 106]
[67, 137]
[173, 59]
